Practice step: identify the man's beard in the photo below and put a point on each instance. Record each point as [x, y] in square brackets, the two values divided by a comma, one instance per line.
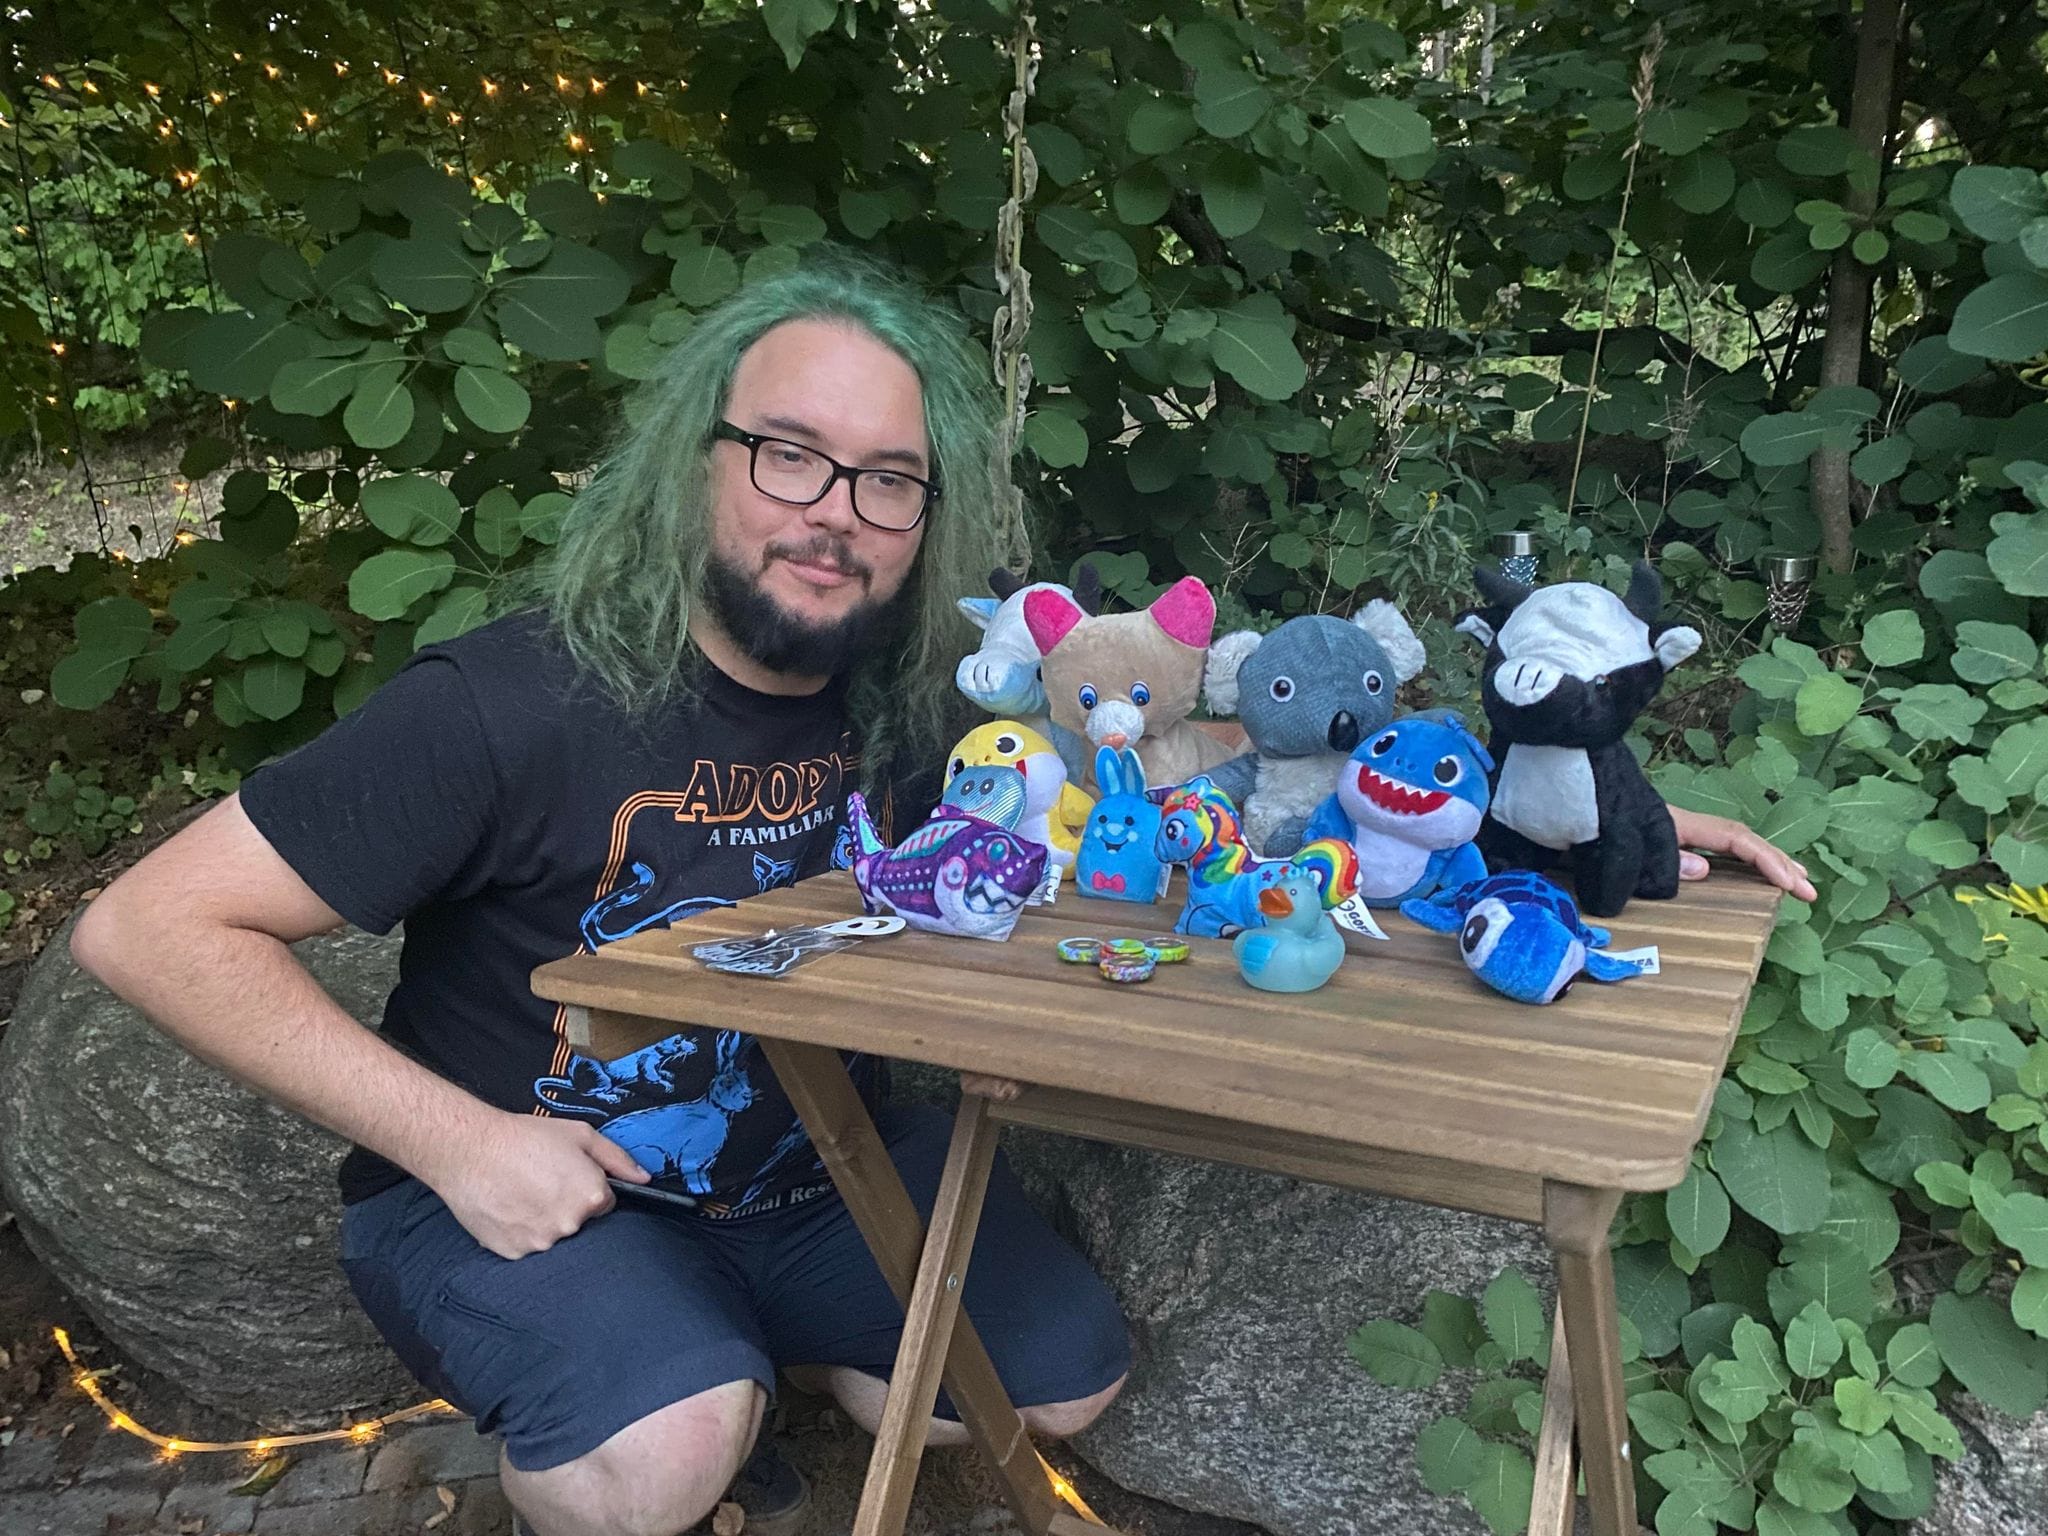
[779, 640]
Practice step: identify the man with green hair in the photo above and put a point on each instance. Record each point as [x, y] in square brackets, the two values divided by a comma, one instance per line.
[749, 614]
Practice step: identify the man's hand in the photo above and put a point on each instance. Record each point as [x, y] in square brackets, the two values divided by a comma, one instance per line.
[525, 1183]
[1717, 834]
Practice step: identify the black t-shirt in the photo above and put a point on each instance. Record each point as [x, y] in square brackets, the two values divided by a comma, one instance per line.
[494, 799]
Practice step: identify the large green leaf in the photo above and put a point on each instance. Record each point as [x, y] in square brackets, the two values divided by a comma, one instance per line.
[1826, 703]
[2018, 556]
[1233, 194]
[1229, 101]
[1447, 1455]
[429, 275]
[550, 311]
[1990, 1354]
[1385, 128]
[1698, 1210]
[460, 610]
[387, 584]
[1254, 343]
[238, 355]
[1894, 637]
[313, 386]
[495, 401]
[1990, 653]
[2006, 319]
[1779, 1177]
[1996, 202]
[793, 23]
[380, 412]
[1501, 1488]
[703, 274]
[274, 687]
[1395, 1354]
[1514, 1317]
[1159, 127]
[1790, 437]
[412, 507]
[1701, 182]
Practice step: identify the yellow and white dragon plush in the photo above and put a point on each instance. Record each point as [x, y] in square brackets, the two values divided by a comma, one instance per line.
[1055, 811]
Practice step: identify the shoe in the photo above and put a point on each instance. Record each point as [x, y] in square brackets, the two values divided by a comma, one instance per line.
[771, 1492]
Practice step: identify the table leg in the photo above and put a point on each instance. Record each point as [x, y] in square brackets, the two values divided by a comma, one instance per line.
[851, 1148]
[1550, 1511]
[1575, 1223]
[928, 1319]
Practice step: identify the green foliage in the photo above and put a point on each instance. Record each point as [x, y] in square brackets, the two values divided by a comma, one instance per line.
[1312, 321]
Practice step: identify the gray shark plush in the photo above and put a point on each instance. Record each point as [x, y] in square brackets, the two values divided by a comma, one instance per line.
[1308, 693]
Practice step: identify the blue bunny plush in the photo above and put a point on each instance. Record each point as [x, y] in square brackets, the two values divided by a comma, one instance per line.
[1308, 693]
[1410, 801]
[1117, 859]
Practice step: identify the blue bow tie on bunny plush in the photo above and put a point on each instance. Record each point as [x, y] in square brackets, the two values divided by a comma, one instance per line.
[1568, 668]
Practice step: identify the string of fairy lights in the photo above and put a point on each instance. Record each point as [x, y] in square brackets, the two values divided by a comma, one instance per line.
[362, 1432]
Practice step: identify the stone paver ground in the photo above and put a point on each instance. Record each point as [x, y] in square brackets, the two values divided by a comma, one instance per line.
[437, 1477]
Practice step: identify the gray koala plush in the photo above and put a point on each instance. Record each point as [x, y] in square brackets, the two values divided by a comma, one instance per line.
[1308, 694]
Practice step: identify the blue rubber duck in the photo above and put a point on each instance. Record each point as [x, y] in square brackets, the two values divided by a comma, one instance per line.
[1299, 948]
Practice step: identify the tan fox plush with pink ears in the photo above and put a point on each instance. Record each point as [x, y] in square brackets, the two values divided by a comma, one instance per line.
[1130, 679]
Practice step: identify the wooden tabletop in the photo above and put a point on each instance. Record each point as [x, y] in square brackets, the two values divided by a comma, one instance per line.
[1403, 1051]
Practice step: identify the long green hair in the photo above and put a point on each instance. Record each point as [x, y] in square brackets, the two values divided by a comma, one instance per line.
[632, 554]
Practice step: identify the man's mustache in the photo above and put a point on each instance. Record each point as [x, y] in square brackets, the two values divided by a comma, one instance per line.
[825, 551]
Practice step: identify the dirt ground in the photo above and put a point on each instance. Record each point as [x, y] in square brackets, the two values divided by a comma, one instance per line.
[126, 494]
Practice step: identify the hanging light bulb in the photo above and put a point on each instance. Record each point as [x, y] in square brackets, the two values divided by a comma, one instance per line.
[1517, 554]
[1787, 581]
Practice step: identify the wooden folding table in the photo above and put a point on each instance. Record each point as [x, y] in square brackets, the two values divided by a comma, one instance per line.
[1404, 1076]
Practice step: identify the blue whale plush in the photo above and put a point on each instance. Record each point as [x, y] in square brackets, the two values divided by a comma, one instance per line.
[1521, 935]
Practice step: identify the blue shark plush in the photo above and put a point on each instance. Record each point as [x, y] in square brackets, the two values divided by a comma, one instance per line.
[1521, 935]
[1410, 801]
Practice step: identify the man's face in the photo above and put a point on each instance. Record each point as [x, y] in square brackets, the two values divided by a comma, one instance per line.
[797, 588]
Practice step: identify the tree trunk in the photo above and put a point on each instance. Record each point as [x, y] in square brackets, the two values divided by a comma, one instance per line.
[1489, 28]
[1871, 112]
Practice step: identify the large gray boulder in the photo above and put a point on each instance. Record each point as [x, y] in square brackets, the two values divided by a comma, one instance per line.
[1240, 1289]
[193, 1221]
[2000, 1487]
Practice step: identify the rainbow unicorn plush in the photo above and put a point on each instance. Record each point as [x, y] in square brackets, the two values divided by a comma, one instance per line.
[1200, 828]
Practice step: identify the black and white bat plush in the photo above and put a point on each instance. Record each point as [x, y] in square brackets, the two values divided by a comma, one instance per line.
[1568, 669]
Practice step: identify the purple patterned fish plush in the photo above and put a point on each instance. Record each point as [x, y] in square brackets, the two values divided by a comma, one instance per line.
[955, 874]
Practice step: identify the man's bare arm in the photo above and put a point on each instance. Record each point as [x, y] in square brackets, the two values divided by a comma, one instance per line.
[196, 935]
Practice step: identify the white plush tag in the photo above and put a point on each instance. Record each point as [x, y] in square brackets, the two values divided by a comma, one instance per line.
[1048, 890]
[1357, 916]
[1646, 957]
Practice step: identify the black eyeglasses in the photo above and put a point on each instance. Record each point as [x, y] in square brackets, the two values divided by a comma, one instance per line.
[882, 498]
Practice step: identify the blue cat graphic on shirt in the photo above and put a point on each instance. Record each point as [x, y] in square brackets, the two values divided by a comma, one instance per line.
[843, 848]
[769, 873]
[682, 1139]
[595, 919]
